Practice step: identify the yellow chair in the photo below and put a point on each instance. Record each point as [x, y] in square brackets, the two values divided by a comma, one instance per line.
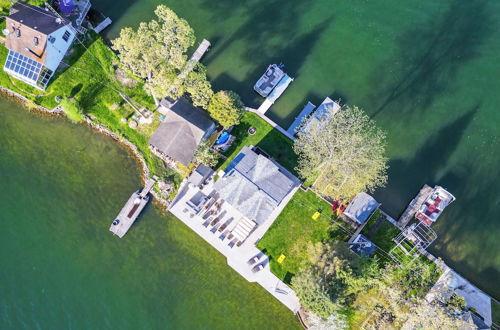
[316, 215]
[281, 259]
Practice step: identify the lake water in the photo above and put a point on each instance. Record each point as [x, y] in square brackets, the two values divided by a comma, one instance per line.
[60, 267]
[426, 70]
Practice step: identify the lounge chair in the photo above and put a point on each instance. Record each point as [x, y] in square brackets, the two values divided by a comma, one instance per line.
[257, 268]
[253, 260]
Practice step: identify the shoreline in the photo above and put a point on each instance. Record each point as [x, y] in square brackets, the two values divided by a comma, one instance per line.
[98, 128]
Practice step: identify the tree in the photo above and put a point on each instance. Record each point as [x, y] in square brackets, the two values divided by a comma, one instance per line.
[72, 110]
[433, 316]
[333, 280]
[205, 155]
[198, 86]
[157, 50]
[342, 153]
[226, 107]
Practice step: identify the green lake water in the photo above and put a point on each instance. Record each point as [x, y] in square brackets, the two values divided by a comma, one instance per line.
[61, 268]
[427, 71]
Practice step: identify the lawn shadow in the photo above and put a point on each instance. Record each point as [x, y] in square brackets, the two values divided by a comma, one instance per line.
[430, 57]
[434, 154]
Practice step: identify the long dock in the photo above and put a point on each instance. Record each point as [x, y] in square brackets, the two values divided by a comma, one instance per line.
[130, 212]
[306, 111]
[414, 205]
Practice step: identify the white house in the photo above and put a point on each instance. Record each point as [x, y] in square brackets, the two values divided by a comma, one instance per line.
[37, 40]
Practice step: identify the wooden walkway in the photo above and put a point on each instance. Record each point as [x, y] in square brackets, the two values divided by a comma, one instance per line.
[131, 211]
[147, 188]
[195, 58]
[104, 24]
[413, 207]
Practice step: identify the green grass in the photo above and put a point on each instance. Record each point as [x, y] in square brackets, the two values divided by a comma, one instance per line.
[382, 235]
[294, 230]
[266, 137]
[89, 79]
[495, 311]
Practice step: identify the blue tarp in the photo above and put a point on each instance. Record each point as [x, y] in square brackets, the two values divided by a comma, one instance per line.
[66, 6]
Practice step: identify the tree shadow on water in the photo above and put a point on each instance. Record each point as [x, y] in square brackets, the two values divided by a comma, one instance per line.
[410, 175]
[430, 56]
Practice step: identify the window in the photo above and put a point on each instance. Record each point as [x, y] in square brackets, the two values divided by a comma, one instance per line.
[66, 36]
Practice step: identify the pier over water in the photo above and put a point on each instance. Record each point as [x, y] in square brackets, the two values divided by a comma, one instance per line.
[131, 210]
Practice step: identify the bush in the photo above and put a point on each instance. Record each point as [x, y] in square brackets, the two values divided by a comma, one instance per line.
[72, 110]
[226, 107]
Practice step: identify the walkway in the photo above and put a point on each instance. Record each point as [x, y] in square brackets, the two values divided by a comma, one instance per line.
[306, 111]
[413, 207]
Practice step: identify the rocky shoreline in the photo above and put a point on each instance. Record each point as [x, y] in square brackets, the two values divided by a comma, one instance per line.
[129, 146]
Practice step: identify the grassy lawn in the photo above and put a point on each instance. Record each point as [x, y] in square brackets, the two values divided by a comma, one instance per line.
[88, 76]
[294, 230]
[266, 137]
[381, 232]
[495, 311]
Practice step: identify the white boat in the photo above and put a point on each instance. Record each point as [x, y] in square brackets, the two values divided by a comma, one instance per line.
[431, 209]
[269, 80]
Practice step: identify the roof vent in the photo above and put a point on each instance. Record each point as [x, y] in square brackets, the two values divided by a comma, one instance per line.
[35, 41]
[18, 33]
[58, 20]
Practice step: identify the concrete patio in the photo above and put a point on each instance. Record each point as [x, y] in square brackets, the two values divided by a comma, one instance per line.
[237, 256]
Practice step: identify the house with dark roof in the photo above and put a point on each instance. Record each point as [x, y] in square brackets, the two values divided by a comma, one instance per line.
[255, 185]
[37, 40]
[181, 132]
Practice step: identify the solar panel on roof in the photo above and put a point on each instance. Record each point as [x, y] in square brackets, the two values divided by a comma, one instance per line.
[23, 65]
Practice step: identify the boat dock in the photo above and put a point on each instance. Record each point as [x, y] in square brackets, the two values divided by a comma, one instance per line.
[306, 111]
[104, 24]
[129, 213]
[275, 94]
[414, 205]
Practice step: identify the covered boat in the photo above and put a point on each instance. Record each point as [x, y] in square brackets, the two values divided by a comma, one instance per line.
[434, 205]
[269, 80]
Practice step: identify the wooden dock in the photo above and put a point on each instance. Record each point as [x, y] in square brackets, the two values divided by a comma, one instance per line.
[104, 24]
[131, 210]
[306, 111]
[413, 207]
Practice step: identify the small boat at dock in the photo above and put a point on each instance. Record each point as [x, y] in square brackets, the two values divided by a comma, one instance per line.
[431, 209]
[269, 80]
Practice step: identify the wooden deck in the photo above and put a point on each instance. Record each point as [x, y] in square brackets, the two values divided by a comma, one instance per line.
[104, 24]
[131, 211]
[413, 207]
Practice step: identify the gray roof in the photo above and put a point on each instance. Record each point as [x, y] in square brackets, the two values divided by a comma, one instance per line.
[36, 18]
[182, 130]
[200, 174]
[254, 185]
[361, 207]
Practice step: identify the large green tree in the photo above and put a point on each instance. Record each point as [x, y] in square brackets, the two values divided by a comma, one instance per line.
[157, 50]
[343, 153]
[198, 86]
[226, 107]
